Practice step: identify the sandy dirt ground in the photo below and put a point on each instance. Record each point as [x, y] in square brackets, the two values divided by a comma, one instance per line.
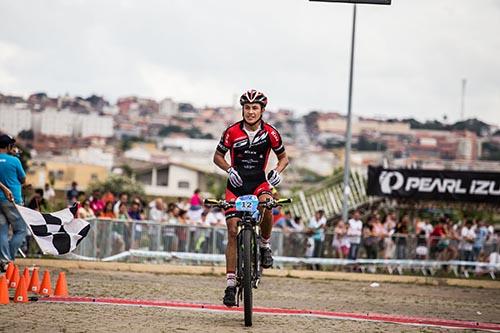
[390, 298]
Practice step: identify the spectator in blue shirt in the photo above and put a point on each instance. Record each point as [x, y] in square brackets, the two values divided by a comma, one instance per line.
[135, 214]
[12, 176]
[285, 222]
[72, 194]
[481, 235]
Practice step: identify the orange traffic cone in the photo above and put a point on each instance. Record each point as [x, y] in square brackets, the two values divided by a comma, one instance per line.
[21, 295]
[9, 271]
[26, 274]
[61, 285]
[34, 286]
[4, 291]
[45, 288]
[14, 278]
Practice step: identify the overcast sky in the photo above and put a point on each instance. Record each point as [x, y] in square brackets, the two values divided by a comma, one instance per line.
[410, 57]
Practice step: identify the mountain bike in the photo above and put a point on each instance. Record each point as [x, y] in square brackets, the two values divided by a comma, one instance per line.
[248, 268]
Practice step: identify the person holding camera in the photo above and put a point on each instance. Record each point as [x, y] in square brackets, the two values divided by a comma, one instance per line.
[12, 177]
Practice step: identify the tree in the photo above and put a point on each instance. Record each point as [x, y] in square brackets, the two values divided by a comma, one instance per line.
[26, 135]
[117, 184]
[491, 151]
[193, 132]
[473, 125]
[166, 130]
[366, 145]
[216, 185]
[127, 142]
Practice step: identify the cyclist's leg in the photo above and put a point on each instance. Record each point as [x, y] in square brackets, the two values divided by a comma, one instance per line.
[266, 226]
[263, 191]
[232, 230]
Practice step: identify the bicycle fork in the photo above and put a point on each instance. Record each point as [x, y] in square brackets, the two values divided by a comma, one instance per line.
[257, 268]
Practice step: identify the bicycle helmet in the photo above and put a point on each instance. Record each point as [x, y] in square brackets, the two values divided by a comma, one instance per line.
[253, 96]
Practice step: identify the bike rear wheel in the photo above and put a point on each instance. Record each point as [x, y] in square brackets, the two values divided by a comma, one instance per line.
[247, 275]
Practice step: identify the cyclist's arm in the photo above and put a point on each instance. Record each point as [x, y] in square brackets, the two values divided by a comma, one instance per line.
[282, 162]
[220, 161]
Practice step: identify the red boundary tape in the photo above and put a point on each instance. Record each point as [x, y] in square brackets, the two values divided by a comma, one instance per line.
[461, 324]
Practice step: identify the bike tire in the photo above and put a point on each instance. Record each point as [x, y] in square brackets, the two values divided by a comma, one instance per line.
[247, 276]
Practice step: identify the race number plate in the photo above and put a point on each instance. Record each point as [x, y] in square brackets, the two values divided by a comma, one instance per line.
[247, 203]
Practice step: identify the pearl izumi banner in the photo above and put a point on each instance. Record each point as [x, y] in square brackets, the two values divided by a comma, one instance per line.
[442, 185]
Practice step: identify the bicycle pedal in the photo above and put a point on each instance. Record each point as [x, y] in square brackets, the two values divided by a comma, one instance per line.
[256, 283]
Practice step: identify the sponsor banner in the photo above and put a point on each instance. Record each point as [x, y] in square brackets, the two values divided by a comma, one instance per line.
[445, 185]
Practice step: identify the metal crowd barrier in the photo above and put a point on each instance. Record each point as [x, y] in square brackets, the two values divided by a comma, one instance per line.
[111, 240]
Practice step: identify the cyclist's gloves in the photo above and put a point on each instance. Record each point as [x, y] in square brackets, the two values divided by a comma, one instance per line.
[273, 178]
[234, 177]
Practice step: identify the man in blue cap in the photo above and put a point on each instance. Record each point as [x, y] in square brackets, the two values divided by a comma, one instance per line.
[12, 177]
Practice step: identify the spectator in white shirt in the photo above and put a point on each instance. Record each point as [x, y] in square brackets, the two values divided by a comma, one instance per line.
[468, 235]
[354, 230]
[48, 192]
[157, 214]
[123, 198]
[317, 225]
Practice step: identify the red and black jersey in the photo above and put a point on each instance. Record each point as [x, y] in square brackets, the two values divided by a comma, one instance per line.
[250, 158]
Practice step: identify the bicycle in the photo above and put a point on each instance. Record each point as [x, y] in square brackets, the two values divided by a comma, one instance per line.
[248, 268]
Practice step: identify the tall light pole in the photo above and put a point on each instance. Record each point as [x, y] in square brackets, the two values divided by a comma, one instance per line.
[347, 155]
[462, 104]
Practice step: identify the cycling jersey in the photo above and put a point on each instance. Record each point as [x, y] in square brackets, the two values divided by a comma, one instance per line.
[249, 159]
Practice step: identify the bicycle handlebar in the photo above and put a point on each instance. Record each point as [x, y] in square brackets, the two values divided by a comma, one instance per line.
[267, 204]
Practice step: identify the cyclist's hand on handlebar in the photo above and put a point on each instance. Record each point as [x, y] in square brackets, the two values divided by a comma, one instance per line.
[274, 178]
[234, 177]
[269, 204]
[210, 202]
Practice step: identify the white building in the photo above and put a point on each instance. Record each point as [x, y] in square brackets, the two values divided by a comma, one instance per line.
[57, 123]
[66, 123]
[337, 124]
[168, 107]
[94, 156]
[94, 125]
[169, 180]
[13, 119]
[110, 110]
[189, 145]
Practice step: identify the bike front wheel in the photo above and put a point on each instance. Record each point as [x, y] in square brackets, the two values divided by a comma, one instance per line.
[247, 275]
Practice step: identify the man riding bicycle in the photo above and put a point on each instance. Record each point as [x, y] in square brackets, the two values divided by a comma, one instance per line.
[249, 142]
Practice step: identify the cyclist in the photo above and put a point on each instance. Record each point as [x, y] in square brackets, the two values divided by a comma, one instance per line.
[249, 142]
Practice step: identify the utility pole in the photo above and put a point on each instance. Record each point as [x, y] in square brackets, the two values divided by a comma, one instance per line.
[462, 107]
[347, 155]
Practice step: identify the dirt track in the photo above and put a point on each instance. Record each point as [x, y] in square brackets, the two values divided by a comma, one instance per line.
[399, 299]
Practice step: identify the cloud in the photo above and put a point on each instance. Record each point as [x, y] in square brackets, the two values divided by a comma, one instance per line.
[162, 82]
[410, 57]
[8, 52]
[12, 58]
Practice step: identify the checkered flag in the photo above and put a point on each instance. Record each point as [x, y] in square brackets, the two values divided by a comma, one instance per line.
[55, 233]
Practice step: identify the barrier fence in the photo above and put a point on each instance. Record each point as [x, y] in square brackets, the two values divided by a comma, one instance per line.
[330, 196]
[111, 240]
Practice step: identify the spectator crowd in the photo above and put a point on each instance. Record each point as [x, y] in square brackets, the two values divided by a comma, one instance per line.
[186, 226]
[393, 237]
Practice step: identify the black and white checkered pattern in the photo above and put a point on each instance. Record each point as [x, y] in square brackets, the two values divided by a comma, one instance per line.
[56, 233]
